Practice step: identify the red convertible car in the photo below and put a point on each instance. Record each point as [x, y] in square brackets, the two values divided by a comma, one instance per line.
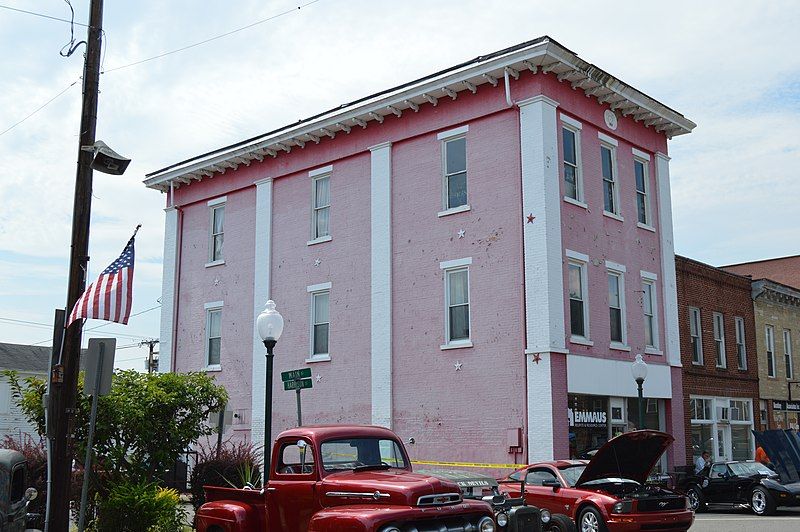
[609, 492]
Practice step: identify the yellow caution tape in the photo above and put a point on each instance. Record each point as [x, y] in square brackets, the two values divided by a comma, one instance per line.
[468, 464]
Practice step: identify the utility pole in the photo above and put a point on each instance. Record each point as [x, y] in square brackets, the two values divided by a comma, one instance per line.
[64, 392]
[149, 343]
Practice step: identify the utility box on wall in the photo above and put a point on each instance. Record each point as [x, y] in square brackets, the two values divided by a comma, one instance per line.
[514, 440]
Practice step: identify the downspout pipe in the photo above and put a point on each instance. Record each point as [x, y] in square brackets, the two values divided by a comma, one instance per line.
[509, 102]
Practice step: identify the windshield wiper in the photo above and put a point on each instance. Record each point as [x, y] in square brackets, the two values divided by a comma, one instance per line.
[372, 467]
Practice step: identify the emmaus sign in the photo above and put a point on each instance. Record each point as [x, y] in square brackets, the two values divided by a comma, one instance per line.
[586, 418]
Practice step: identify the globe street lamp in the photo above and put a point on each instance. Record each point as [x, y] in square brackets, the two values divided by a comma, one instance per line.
[639, 372]
[270, 327]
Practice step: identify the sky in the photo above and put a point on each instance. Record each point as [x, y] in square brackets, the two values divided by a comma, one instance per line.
[731, 66]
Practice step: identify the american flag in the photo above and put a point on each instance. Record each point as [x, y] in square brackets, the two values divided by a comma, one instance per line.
[109, 298]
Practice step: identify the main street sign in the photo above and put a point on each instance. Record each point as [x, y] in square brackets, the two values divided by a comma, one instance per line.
[298, 384]
[294, 374]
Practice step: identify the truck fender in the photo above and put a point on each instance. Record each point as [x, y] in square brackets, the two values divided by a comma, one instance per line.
[338, 520]
[226, 516]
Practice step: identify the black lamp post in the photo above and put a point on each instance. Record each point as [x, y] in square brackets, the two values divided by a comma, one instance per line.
[639, 372]
[270, 327]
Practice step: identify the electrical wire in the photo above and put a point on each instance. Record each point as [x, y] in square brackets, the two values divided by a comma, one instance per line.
[71, 46]
[48, 102]
[42, 15]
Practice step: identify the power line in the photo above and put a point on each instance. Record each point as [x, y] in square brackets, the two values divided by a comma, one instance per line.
[48, 102]
[42, 15]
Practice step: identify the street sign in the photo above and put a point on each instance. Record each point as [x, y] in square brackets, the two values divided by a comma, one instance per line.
[298, 384]
[97, 373]
[291, 375]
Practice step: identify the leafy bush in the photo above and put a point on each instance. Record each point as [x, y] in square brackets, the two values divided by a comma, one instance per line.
[36, 474]
[237, 465]
[140, 507]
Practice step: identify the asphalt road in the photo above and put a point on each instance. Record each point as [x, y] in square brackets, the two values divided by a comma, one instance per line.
[787, 519]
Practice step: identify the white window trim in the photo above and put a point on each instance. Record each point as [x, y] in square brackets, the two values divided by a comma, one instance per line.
[738, 324]
[699, 333]
[640, 154]
[452, 133]
[647, 211]
[615, 175]
[312, 291]
[767, 329]
[582, 261]
[447, 267]
[650, 279]
[207, 308]
[217, 201]
[318, 172]
[787, 352]
[454, 210]
[718, 318]
[646, 227]
[608, 139]
[213, 263]
[575, 127]
[213, 205]
[619, 270]
[314, 179]
[320, 240]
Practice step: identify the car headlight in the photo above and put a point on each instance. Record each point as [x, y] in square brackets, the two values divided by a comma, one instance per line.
[502, 519]
[545, 516]
[623, 507]
[486, 524]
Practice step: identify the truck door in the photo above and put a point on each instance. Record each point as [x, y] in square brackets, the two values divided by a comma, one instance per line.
[290, 491]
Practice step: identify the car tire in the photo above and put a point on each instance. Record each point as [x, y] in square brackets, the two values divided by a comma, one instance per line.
[559, 523]
[696, 499]
[761, 501]
[590, 520]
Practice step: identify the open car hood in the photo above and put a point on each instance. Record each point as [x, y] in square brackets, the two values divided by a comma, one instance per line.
[783, 449]
[631, 456]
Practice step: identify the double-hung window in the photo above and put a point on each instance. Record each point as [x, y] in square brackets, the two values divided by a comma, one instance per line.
[217, 231]
[719, 340]
[571, 152]
[213, 334]
[741, 351]
[642, 199]
[608, 163]
[321, 207]
[320, 321]
[787, 353]
[578, 298]
[649, 311]
[616, 307]
[696, 334]
[769, 331]
[457, 303]
[454, 168]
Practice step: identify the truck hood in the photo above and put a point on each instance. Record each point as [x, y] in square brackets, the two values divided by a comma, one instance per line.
[393, 486]
[631, 456]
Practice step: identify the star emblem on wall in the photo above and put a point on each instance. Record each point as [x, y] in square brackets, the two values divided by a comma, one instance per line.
[319, 377]
[530, 218]
[317, 262]
[458, 365]
[461, 233]
[537, 358]
[216, 281]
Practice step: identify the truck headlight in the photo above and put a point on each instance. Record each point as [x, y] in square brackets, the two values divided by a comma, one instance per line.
[623, 507]
[545, 516]
[486, 524]
[502, 519]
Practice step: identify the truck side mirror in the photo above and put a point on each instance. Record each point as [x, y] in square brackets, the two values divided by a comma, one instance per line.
[301, 445]
[31, 494]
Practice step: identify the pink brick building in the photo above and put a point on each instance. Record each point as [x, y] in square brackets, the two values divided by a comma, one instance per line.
[474, 256]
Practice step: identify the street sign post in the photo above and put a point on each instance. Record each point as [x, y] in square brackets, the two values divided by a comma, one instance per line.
[297, 379]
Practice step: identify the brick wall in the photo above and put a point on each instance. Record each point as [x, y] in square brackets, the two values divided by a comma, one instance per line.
[712, 290]
[785, 270]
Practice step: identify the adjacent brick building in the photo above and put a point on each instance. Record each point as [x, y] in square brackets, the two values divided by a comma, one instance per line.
[719, 356]
[784, 270]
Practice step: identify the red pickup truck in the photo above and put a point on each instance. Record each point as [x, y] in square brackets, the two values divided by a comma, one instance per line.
[343, 478]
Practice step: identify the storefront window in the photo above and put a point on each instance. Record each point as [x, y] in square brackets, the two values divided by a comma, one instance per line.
[588, 424]
[702, 440]
[650, 414]
[740, 442]
[722, 426]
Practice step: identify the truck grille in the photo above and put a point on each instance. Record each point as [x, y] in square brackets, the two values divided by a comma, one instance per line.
[461, 523]
[662, 504]
[439, 499]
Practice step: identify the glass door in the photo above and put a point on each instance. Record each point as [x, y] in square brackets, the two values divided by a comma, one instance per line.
[723, 447]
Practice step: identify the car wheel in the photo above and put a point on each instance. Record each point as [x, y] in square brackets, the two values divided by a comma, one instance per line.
[696, 499]
[590, 520]
[762, 502]
[559, 523]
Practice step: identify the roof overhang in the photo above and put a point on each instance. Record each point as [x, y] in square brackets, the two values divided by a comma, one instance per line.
[540, 55]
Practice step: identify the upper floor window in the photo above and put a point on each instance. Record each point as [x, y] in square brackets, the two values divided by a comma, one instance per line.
[741, 352]
[616, 306]
[571, 151]
[321, 207]
[609, 163]
[700, 409]
[719, 340]
[320, 321]
[457, 302]
[649, 310]
[213, 333]
[787, 353]
[696, 333]
[217, 232]
[578, 308]
[769, 331]
[455, 172]
[642, 199]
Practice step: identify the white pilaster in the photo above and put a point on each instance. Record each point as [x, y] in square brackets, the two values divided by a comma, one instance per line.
[261, 293]
[168, 283]
[669, 283]
[544, 286]
[381, 279]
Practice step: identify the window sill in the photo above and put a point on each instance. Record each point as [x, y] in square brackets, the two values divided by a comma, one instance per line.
[215, 263]
[723, 368]
[698, 364]
[318, 358]
[619, 347]
[581, 340]
[646, 227]
[454, 210]
[212, 367]
[460, 344]
[320, 240]
[653, 351]
[573, 201]
[614, 216]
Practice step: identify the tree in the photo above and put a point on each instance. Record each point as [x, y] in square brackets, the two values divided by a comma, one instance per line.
[143, 424]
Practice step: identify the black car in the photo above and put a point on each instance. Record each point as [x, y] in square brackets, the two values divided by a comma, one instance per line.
[736, 483]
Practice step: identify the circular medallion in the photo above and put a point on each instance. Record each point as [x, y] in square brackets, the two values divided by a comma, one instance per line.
[611, 119]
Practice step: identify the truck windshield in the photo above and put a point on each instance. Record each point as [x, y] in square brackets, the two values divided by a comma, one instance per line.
[352, 453]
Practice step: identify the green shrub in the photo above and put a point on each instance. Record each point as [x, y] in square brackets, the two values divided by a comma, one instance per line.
[237, 465]
[140, 507]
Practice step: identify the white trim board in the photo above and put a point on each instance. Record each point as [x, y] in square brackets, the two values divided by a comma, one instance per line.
[456, 263]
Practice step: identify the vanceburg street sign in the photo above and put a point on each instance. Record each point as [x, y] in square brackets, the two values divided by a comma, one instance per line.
[298, 384]
[294, 374]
